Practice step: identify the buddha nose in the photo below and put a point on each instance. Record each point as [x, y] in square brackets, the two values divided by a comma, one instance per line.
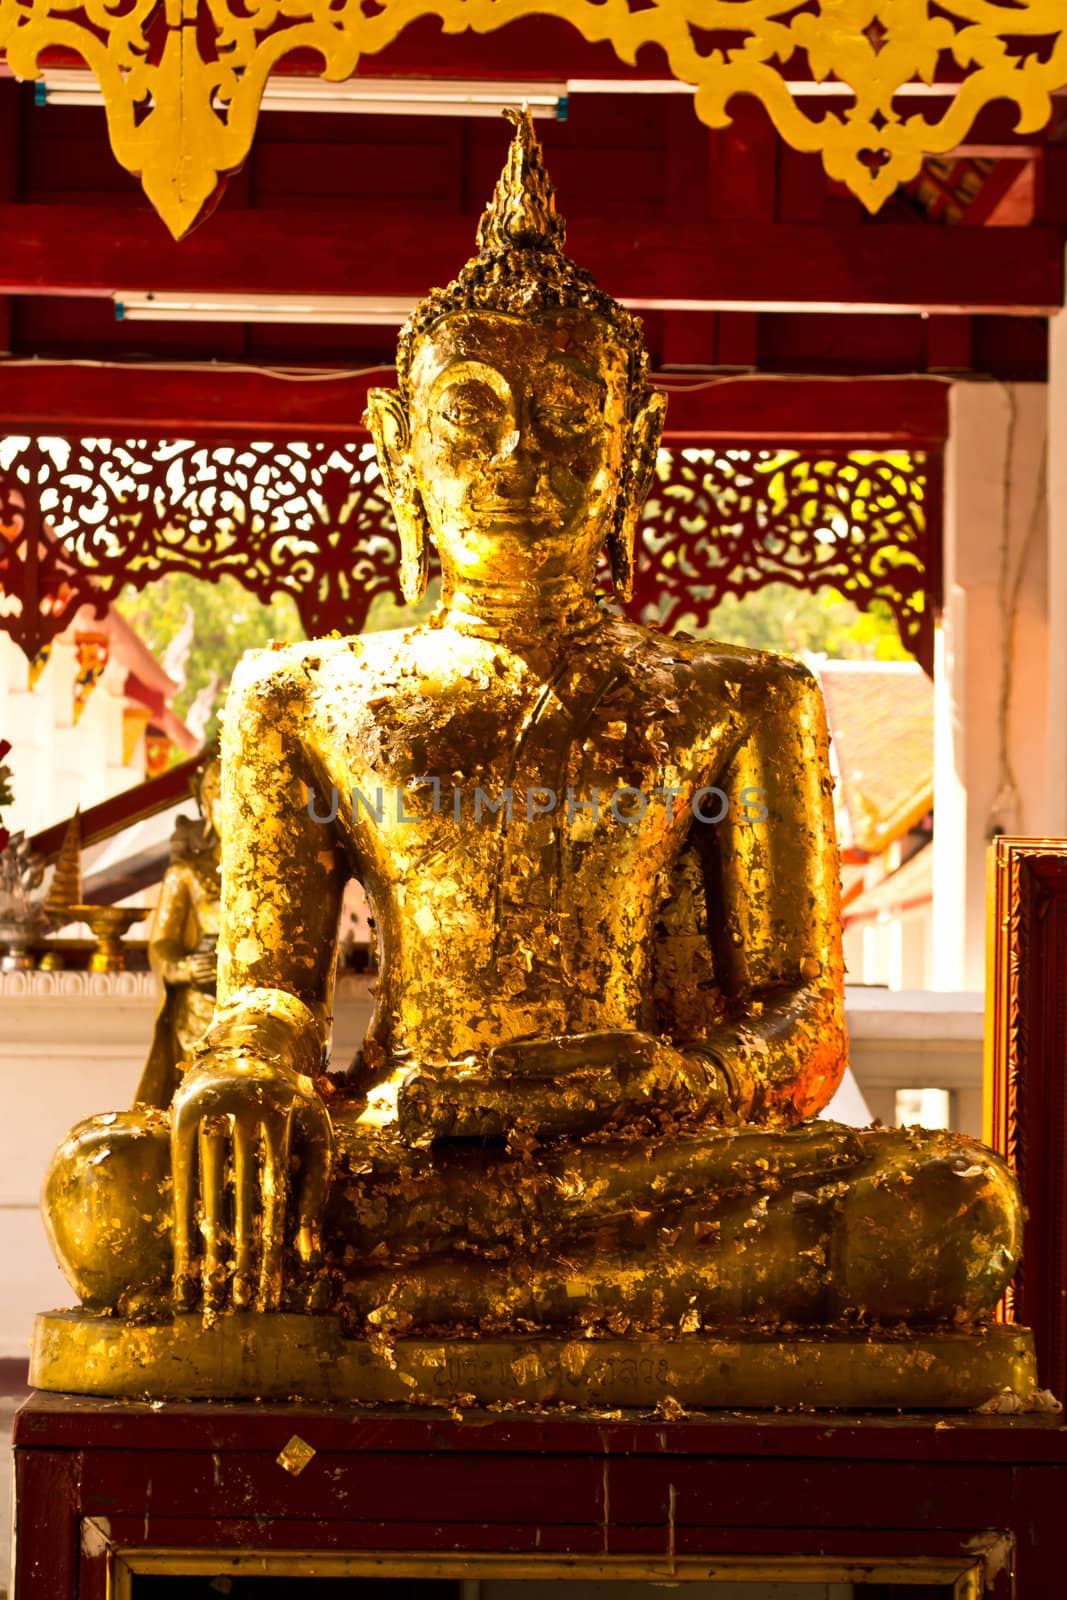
[508, 446]
[515, 464]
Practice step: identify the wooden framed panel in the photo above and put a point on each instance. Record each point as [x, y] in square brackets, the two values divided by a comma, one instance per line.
[1026, 1076]
[962, 1576]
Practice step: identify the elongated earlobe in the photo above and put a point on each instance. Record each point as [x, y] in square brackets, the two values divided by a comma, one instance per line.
[386, 418]
[637, 480]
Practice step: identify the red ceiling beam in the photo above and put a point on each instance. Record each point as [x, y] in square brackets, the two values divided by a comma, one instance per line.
[89, 250]
[199, 402]
[905, 413]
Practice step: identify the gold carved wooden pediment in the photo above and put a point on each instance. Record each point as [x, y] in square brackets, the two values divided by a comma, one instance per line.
[182, 87]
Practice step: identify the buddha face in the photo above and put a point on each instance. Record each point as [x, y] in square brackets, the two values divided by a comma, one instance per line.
[519, 432]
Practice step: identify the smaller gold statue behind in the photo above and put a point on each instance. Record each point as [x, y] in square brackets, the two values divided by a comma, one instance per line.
[183, 941]
[602, 867]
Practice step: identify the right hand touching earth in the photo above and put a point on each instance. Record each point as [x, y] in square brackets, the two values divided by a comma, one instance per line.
[238, 1122]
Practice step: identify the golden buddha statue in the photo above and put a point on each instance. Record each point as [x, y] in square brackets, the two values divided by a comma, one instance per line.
[602, 867]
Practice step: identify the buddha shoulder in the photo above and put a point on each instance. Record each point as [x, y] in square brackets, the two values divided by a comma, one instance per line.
[705, 673]
[763, 677]
[284, 678]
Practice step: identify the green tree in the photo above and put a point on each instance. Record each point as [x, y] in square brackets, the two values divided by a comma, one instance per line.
[386, 613]
[796, 622]
[199, 631]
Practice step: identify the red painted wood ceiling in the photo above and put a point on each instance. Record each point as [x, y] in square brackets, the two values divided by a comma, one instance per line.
[629, 170]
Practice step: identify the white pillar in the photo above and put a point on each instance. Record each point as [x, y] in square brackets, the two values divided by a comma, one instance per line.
[991, 758]
[950, 796]
[1055, 821]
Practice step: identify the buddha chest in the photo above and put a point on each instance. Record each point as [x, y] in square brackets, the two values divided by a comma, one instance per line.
[516, 821]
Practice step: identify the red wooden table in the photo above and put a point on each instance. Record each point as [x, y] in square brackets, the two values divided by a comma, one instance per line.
[110, 1493]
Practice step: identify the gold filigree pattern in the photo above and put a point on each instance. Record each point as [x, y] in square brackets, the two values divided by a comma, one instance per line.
[307, 519]
[184, 110]
[728, 522]
[40, 587]
[312, 520]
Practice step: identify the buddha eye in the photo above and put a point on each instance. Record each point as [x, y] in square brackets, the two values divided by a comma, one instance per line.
[567, 412]
[470, 406]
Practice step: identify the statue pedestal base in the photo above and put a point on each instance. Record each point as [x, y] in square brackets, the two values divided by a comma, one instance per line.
[111, 1493]
[246, 1357]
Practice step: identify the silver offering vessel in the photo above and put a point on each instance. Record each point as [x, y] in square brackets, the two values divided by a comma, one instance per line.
[23, 921]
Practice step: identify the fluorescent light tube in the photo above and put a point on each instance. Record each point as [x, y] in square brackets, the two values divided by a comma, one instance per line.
[139, 305]
[440, 97]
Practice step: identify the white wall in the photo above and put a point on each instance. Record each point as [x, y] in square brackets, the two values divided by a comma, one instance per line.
[56, 764]
[911, 1040]
[893, 949]
[995, 636]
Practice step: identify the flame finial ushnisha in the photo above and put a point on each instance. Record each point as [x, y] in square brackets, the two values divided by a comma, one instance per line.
[520, 267]
[522, 212]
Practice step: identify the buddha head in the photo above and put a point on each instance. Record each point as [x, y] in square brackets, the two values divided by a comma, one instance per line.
[207, 791]
[523, 433]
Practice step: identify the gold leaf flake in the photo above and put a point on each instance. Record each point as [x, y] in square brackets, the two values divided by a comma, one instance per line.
[296, 1455]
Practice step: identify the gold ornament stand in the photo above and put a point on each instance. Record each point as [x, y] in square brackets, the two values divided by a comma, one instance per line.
[245, 1356]
[108, 925]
